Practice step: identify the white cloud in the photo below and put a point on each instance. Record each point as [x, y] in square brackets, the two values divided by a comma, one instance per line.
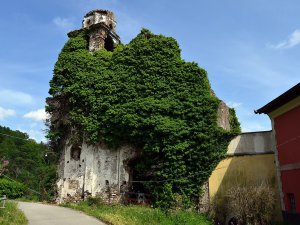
[4, 113]
[64, 23]
[233, 104]
[12, 97]
[292, 41]
[38, 115]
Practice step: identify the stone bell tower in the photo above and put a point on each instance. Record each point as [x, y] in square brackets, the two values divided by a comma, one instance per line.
[101, 26]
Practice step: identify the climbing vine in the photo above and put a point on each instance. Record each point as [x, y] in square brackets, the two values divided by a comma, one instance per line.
[145, 95]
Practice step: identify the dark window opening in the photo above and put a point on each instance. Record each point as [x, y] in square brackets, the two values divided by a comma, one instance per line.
[75, 152]
[88, 22]
[106, 182]
[233, 221]
[292, 202]
[109, 44]
[137, 179]
[110, 26]
[135, 191]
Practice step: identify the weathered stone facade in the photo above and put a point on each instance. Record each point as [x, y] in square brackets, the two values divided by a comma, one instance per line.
[101, 25]
[223, 116]
[89, 170]
[95, 170]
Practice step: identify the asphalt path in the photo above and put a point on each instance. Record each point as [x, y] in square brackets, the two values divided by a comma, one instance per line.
[41, 214]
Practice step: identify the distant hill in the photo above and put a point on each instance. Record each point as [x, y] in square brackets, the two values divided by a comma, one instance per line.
[30, 162]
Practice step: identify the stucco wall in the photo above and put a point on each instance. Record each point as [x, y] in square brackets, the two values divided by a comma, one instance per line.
[287, 132]
[242, 170]
[98, 171]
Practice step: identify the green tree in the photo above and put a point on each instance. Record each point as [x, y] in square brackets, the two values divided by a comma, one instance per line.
[27, 162]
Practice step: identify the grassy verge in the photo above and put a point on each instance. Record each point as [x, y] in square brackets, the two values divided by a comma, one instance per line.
[11, 215]
[139, 215]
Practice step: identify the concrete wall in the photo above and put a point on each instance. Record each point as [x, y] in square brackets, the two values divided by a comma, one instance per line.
[98, 171]
[252, 143]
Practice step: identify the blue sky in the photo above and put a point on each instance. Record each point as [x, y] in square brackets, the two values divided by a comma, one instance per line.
[250, 49]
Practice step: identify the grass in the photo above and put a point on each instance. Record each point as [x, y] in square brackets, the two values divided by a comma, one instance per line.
[139, 215]
[11, 215]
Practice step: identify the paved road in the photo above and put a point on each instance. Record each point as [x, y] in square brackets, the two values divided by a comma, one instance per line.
[40, 214]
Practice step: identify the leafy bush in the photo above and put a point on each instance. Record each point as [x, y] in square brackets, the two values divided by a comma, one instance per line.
[94, 201]
[11, 189]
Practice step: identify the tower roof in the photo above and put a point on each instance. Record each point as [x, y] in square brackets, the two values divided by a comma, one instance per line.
[102, 11]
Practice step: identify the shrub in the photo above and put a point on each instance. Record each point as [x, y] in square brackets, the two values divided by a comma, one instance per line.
[249, 204]
[252, 205]
[95, 201]
[11, 189]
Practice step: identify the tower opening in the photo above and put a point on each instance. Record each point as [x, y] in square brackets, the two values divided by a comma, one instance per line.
[75, 152]
[109, 43]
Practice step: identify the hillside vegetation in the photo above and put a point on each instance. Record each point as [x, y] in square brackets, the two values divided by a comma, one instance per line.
[27, 163]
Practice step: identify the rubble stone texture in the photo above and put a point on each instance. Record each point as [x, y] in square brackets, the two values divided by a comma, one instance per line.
[102, 30]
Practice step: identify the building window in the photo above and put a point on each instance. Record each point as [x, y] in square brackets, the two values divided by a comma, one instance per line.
[291, 199]
[109, 43]
[75, 152]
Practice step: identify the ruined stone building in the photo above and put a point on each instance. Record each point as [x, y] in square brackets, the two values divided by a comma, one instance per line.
[96, 170]
[102, 30]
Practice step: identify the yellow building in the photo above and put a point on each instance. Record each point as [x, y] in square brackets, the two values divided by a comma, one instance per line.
[250, 162]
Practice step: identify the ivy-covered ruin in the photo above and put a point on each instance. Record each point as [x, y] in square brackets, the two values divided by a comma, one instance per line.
[141, 94]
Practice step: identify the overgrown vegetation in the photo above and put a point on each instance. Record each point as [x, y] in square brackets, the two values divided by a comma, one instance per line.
[142, 94]
[138, 215]
[252, 205]
[248, 204]
[11, 215]
[27, 165]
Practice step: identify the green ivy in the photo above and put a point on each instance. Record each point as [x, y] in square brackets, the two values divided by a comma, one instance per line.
[143, 94]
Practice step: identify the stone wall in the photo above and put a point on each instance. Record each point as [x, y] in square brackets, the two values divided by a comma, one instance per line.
[99, 16]
[89, 170]
[223, 116]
